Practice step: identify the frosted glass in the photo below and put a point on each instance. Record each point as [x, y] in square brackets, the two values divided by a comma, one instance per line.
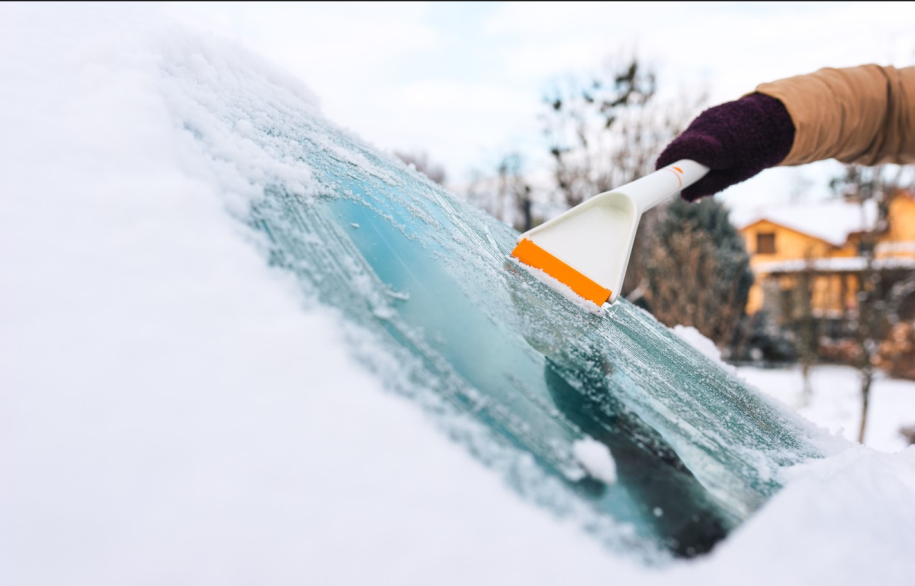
[513, 371]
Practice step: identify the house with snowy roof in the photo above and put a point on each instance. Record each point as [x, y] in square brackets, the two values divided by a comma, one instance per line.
[826, 240]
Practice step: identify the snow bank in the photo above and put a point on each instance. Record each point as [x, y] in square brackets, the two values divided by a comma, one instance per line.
[841, 521]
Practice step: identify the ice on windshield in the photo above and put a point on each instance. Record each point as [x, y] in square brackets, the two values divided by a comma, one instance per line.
[504, 364]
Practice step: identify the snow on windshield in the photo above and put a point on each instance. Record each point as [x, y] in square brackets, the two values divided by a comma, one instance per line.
[427, 298]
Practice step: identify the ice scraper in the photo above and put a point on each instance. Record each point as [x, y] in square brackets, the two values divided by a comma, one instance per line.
[587, 248]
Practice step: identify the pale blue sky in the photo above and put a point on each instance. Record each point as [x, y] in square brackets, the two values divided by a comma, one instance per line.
[464, 81]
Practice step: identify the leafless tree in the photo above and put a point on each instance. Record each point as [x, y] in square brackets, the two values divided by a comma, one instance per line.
[513, 187]
[800, 318]
[421, 162]
[876, 306]
[508, 195]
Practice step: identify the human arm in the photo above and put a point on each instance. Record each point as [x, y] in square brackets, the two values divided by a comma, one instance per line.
[862, 114]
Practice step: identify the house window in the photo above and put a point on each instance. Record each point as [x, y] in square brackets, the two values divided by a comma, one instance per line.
[866, 246]
[765, 243]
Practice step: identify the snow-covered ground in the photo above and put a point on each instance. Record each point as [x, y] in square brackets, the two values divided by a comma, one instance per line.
[173, 411]
[835, 402]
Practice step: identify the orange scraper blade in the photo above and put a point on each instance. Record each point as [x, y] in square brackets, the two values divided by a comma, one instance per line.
[534, 256]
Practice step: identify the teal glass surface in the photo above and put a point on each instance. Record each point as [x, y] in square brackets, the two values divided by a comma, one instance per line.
[512, 370]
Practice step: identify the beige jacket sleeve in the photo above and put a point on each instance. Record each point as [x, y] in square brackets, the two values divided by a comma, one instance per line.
[860, 114]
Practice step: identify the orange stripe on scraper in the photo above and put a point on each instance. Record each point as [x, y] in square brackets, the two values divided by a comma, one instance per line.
[534, 256]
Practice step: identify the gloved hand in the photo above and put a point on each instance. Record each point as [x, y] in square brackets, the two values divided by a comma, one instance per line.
[735, 140]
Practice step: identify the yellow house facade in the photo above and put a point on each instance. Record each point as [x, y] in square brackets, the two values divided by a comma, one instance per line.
[822, 241]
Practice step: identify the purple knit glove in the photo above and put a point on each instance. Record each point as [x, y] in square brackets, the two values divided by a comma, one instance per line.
[735, 140]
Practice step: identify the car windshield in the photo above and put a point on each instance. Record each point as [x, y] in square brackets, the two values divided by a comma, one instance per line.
[511, 368]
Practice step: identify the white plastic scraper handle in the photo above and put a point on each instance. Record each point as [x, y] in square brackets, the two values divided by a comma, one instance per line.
[663, 184]
[587, 248]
